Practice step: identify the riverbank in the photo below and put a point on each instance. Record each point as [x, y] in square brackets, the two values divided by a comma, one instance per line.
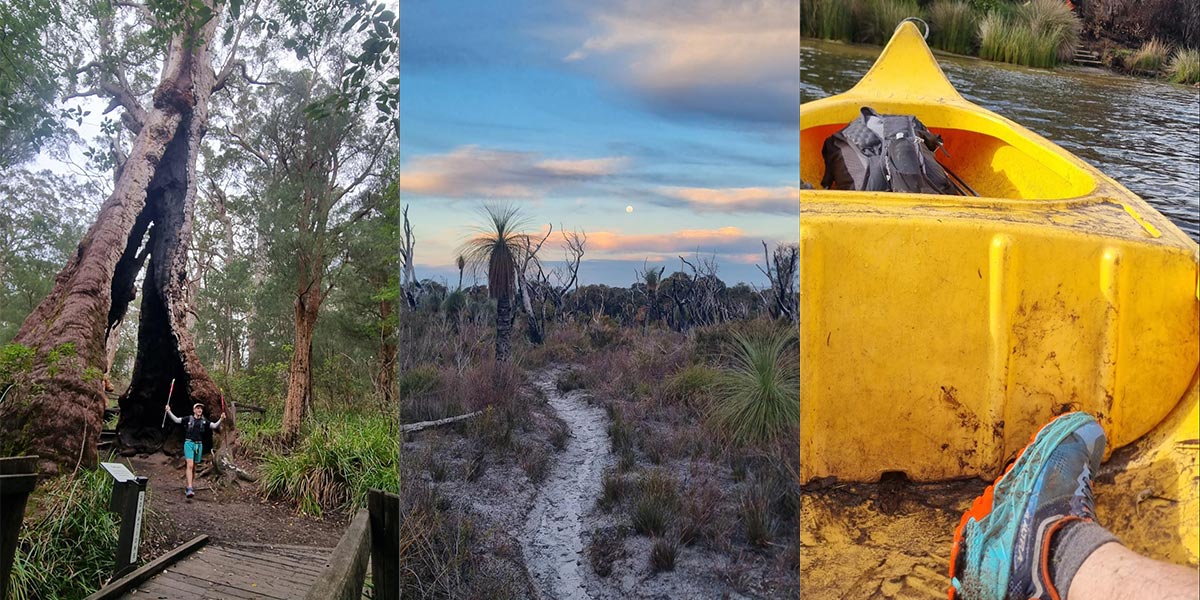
[1040, 33]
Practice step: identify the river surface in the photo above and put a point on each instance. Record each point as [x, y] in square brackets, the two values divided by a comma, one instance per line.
[1143, 133]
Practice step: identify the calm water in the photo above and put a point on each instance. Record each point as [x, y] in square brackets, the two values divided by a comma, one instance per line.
[1142, 133]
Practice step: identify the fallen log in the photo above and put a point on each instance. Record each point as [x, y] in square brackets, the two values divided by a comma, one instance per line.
[427, 424]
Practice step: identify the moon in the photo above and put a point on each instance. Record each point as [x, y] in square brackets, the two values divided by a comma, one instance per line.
[629, 209]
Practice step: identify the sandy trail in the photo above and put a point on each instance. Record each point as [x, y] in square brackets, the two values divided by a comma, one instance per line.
[553, 535]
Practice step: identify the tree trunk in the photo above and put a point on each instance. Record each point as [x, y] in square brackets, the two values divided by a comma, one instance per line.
[504, 322]
[59, 418]
[387, 357]
[299, 393]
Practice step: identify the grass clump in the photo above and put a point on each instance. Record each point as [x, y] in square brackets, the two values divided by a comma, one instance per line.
[612, 490]
[662, 555]
[1150, 58]
[1039, 34]
[755, 510]
[691, 385]
[570, 380]
[827, 19]
[954, 25]
[1184, 66]
[67, 544]
[758, 394]
[335, 464]
[657, 502]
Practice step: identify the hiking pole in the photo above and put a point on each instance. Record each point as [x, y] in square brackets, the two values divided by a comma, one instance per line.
[169, 392]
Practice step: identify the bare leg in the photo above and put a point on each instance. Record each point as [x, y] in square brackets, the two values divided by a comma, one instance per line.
[1114, 572]
[191, 466]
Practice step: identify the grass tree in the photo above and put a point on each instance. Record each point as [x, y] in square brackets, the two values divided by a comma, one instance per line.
[498, 246]
[758, 393]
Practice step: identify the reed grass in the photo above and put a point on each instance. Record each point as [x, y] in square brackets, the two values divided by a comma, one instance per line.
[1054, 26]
[827, 19]
[336, 464]
[1184, 66]
[878, 19]
[1038, 34]
[1150, 58]
[67, 544]
[954, 26]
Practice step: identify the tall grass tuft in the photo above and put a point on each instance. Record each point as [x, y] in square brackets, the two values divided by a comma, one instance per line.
[878, 19]
[336, 464]
[953, 25]
[1038, 34]
[69, 539]
[758, 394]
[827, 19]
[1184, 66]
[1150, 58]
[656, 505]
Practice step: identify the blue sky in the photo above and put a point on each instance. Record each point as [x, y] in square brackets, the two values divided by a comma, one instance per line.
[658, 128]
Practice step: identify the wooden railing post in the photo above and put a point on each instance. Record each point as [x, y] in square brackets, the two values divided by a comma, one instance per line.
[385, 543]
[18, 477]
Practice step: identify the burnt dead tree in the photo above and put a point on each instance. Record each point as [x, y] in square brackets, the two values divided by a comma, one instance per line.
[782, 270]
[145, 223]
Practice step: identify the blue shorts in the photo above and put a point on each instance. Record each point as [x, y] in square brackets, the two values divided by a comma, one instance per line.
[193, 451]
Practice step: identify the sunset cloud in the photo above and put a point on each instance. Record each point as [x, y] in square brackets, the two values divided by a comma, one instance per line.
[724, 57]
[774, 200]
[473, 172]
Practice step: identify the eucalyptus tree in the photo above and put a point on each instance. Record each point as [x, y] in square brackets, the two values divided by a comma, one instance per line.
[321, 177]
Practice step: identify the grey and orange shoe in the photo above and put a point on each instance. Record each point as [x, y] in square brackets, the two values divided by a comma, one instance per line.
[1002, 544]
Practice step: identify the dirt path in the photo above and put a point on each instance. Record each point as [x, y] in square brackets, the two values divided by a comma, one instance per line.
[553, 538]
[230, 514]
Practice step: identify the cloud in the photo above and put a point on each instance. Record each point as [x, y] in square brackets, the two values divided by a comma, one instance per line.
[727, 58]
[473, 172]
[774, 200]
[724, 240]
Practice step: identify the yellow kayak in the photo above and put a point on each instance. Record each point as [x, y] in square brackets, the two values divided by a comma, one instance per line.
[938, 333]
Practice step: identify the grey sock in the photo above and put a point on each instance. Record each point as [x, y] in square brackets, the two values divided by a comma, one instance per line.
[1070, 546]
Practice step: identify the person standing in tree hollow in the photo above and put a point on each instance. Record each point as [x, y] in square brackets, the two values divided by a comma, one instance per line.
[193, 443]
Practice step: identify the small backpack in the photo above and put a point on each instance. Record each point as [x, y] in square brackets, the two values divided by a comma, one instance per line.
[887, 153]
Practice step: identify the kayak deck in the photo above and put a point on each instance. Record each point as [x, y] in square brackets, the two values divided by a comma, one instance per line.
[938, 333]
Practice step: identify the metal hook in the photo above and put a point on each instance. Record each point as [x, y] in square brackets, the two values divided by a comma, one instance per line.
[916, 20]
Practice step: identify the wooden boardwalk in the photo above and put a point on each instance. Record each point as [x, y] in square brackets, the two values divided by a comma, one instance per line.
[237, 572]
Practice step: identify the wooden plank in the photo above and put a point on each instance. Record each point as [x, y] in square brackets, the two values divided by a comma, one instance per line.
[226, 575]
[275, 562]
[385, 543]
[116, 588]
[343, 579]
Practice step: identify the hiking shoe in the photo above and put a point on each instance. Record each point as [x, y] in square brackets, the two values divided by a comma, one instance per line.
[1002, 544]
[190, 493]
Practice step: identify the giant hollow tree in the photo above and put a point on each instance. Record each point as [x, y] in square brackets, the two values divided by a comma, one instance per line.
[142, 228]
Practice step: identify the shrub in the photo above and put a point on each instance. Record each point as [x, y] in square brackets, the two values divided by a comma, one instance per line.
[535, 463]
[954, 25]
[1184, 66]
[67, 544]
[690, 385]
[570, 380]
[335, 464]
[662, 555]
[435, 545]
[1150, 58]
[657, 502]
[758, 394]
[700, 512]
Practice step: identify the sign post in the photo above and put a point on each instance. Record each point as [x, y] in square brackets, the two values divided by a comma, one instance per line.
[128, 502]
